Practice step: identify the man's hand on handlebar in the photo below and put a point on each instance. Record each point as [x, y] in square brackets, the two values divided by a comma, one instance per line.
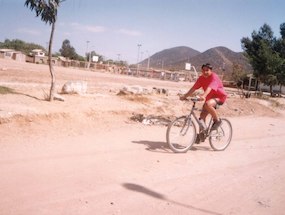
[182, 97]
[196, 98]
[200, 98]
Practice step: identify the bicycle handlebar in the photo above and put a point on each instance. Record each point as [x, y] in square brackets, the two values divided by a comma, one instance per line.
[193, 99]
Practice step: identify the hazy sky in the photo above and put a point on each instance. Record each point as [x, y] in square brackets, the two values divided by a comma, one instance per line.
[116, 27]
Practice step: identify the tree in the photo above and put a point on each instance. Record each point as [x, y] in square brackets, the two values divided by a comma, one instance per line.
[281, 76]
[67, 50]
[20, 45]
[282, 30]
[47, 10]
[261, 52]
[280, 47]
[238, 74]
[93, 53]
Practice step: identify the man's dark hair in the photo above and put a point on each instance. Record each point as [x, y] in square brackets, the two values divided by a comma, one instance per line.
[207, 65]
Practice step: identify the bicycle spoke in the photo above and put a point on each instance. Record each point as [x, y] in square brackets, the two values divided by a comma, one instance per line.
[221, 138]
[181, 134]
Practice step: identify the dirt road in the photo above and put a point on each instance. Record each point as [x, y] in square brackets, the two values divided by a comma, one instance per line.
[128, 169]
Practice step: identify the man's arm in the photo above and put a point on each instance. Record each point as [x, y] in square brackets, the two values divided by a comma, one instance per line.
[189, 93]
[204, 95]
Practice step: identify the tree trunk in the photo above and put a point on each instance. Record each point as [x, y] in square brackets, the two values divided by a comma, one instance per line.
[52, 86]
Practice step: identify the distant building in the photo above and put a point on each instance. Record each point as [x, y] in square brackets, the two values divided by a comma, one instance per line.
[63, 61]
[37, 56]
[38, 52]
[12, 54]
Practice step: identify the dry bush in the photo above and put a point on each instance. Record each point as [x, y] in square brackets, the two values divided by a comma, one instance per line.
[6, 90]
[137, 98]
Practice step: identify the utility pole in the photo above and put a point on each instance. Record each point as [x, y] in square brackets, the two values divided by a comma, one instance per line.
[223, 70]
[148, 60]
[139, 46]
[89, 62]
[87, 42]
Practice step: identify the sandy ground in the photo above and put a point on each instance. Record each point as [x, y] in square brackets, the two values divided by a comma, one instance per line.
[85, 155]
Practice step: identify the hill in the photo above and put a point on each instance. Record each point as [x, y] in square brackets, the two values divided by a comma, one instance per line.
[168, 58]
[221, 58]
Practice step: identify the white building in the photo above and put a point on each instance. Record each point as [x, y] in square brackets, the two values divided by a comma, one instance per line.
[38, 52]
[12, 54]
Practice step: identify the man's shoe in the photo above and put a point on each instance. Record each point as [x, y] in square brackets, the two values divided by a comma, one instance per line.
[216, 125]
[197, 141]
[202, 136]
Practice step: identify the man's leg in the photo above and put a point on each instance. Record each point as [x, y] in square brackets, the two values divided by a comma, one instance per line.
[210, 108]
[204, 113]
[201, 135]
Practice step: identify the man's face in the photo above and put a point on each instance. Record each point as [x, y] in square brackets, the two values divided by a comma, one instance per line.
[206, 71]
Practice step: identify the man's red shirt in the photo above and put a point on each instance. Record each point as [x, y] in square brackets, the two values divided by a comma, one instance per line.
[214, 82]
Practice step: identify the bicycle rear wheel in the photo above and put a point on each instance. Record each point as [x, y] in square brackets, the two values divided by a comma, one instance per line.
[221, 138]
[181, 134]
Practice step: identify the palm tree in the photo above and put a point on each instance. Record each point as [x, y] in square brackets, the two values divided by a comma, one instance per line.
[47, 9]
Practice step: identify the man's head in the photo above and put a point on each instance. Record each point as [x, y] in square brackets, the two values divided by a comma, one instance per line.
[206, 69]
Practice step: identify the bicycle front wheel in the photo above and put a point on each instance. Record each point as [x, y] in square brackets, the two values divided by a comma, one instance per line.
[181, 134]
[221, 138]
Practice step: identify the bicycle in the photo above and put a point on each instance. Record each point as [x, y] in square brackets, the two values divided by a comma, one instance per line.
[182, 132]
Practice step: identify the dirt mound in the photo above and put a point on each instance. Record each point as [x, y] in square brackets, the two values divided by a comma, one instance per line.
[77, 108]
[103, 100]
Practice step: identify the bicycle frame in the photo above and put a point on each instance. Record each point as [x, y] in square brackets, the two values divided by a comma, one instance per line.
[192, 113]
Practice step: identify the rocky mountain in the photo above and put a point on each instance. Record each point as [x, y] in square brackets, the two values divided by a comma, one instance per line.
[168, 58]
[221, 58]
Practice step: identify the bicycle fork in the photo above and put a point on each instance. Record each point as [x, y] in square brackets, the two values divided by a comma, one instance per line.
[185, 126]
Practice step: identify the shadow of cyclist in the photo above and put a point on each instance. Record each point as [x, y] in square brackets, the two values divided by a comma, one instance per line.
[200, 148]
[162, 147]
[149, 192]
[155, 146]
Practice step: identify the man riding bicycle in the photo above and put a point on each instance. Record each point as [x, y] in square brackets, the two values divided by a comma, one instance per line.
[214, 94]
